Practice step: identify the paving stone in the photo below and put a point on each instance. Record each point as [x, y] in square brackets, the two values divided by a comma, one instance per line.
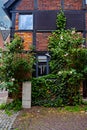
[50, 119]
[6, 121]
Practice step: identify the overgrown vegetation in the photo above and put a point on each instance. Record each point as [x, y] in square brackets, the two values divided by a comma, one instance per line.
[68, 68]
[15, 66]
[52, 91]
[46, 92]
[13, 106]
[68, 64]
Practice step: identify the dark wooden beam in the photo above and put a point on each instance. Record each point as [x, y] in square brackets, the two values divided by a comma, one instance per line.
[35, 4]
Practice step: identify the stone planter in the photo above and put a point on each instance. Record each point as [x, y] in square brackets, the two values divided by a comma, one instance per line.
[3, 96]
[26, 95]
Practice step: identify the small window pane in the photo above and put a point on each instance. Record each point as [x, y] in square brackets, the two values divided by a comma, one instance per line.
[86, 1]
[42, 59]
[42, 65]
[26, 22]
[42, 69]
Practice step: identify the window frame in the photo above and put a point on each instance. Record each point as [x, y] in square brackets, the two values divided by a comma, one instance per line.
[42, 62]
[20, 24]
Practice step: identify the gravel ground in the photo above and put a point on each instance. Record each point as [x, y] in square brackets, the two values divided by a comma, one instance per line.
[40, 118]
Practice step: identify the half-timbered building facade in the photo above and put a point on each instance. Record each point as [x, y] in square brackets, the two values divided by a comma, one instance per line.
[34, 20]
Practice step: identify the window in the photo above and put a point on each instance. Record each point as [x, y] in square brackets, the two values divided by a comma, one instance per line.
[26, 22]
[86, 1]
[42, 66]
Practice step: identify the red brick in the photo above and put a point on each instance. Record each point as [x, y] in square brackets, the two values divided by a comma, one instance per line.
[26, 5]
[42, 41]
[42, 38]
[49, 4]
[27, 37]
[72, 4]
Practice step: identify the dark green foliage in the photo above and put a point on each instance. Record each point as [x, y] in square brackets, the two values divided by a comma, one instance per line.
[15, 65]
[66, 50]
[61, 20]
[53, 91]
[68, 59]
[16, 45]
[16, 105]
[45, 91]
[68, 65]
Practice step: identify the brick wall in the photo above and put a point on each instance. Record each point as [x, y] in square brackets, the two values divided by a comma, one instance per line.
[49, 4]
[1, 41]
[56, 4]
[42, 38]
[72, 4]
[27, 37]
[26, 5]
[17, 21]
[42, 41]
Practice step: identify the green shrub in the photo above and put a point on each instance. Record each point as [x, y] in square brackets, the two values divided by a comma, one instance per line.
[15, 105]
[68, 65]
[15, 65]
[53, 91]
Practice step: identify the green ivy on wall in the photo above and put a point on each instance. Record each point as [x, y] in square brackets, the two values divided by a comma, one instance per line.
[68, 65]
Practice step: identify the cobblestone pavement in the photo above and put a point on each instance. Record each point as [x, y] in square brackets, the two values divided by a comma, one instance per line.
[6, 121]
[50, 119]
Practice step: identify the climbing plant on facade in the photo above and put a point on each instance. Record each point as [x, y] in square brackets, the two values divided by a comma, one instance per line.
[68, 66]
[68, 57]
[61, 20]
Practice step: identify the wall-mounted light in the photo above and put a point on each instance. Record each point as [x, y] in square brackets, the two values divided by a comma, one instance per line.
[48, 55]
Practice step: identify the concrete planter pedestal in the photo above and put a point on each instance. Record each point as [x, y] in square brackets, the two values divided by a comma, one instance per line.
[26, 95]
[3, 96]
